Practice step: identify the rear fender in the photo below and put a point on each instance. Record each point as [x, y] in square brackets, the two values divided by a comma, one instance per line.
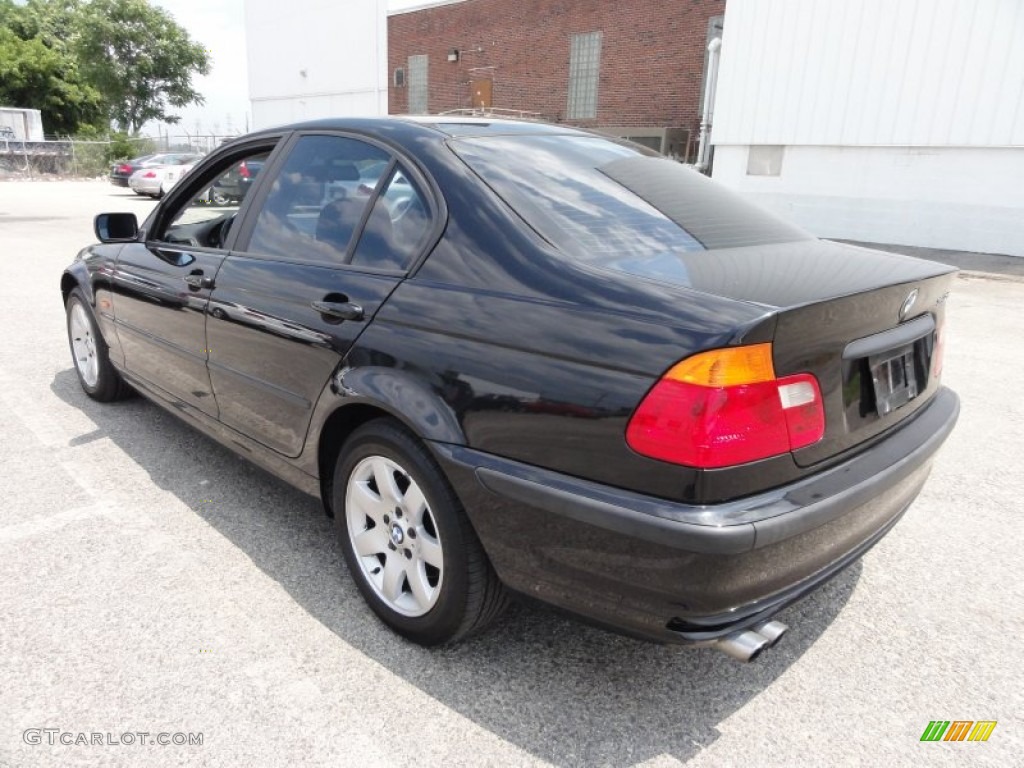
[356, 395]
[405, 397]
[408, 397]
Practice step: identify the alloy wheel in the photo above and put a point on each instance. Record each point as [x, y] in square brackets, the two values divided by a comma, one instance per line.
[83, 344]
[394, 536]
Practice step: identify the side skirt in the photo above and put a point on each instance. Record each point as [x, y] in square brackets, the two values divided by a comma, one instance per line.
[238, 443]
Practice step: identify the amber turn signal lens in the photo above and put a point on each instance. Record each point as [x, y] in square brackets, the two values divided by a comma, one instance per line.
[727, 367]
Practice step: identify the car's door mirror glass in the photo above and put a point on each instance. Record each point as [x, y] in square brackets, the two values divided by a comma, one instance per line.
[317, 201]
[205, 219]
[116, 227]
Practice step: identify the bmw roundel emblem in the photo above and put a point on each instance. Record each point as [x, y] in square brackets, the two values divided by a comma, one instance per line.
[908, 304]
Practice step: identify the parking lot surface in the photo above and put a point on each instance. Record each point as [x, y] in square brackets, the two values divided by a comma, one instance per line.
[152, 582]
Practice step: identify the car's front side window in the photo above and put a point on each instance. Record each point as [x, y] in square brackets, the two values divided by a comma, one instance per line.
[205, 219]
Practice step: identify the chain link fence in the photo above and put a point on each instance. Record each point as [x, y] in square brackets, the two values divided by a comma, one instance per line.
[81, 158]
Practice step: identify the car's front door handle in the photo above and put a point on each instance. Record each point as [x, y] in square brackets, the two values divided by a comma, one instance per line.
[198, 281]
[344, 310]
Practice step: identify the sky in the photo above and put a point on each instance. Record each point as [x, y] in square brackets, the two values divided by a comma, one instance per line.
[219, 25]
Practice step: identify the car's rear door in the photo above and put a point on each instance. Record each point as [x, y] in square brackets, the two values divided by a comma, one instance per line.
[161, 288]
[314, 261]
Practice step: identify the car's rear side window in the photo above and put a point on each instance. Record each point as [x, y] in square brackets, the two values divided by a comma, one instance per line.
[396, 227]
[610, 204]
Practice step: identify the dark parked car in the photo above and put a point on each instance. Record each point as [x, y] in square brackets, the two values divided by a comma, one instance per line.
[532, 360]
[234, 185]
[121, 172]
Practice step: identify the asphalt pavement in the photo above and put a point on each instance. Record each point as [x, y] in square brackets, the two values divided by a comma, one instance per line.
[151, 582]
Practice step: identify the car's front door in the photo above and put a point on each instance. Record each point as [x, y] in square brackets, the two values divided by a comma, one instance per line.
[317, 255]
[161, 288]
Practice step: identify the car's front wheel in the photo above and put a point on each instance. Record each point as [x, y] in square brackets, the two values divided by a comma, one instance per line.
[96, 374]
[407, 541]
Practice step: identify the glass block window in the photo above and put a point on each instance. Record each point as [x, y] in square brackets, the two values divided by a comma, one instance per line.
[418, 85]
[584, 70]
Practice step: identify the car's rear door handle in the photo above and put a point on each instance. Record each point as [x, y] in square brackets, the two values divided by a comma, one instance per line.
[344, 310]
[198, 281]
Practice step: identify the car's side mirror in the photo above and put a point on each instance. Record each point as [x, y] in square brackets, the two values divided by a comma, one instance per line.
[116, 227]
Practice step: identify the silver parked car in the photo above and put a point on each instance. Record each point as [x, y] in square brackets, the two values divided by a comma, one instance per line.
[157, 180]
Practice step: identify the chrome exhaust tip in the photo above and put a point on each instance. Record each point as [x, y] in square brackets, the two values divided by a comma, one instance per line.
[743, 646]
[772, 631]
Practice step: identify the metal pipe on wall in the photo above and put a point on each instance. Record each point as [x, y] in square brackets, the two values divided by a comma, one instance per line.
[707, 114]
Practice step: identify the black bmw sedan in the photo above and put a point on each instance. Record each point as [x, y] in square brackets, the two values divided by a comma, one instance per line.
[522, 358]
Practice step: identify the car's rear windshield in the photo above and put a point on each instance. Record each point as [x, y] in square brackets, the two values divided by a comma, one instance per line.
[616, 205]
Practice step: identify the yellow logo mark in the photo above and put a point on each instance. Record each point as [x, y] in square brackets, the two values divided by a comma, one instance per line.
[982, 730]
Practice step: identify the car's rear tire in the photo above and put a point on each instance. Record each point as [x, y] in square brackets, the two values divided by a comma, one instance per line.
[98, 377]
[407, 541]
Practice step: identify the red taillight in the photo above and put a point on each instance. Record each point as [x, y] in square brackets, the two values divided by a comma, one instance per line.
[243, 171]
[125, 168]
[149, 175]
[727, 407]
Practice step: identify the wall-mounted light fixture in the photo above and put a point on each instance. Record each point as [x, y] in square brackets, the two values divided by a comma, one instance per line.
[453, 54]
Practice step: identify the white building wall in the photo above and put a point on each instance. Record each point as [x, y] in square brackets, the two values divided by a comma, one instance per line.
[316, 58]
[902, 120]
[26, 124]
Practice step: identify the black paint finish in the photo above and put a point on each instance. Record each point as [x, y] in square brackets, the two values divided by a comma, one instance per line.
[505, 355]
[271, 351]
[161, 318]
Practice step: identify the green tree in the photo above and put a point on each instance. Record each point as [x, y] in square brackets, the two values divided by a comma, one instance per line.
[140, 59]
[39, 71]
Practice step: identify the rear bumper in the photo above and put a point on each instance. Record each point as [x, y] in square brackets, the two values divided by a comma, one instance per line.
[146, 186]
[682, 573]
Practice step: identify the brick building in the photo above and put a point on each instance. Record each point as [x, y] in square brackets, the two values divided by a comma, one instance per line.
[633, 69]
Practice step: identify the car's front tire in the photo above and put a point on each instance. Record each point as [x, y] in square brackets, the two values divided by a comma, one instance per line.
[406, 539]
[90, 353]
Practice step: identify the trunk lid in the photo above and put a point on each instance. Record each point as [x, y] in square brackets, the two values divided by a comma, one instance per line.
[845, 314]
[873, 353]
[626, 214]
[793, 274]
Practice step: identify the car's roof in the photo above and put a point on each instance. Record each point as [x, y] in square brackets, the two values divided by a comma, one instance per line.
[445, 125]
[459, 125]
